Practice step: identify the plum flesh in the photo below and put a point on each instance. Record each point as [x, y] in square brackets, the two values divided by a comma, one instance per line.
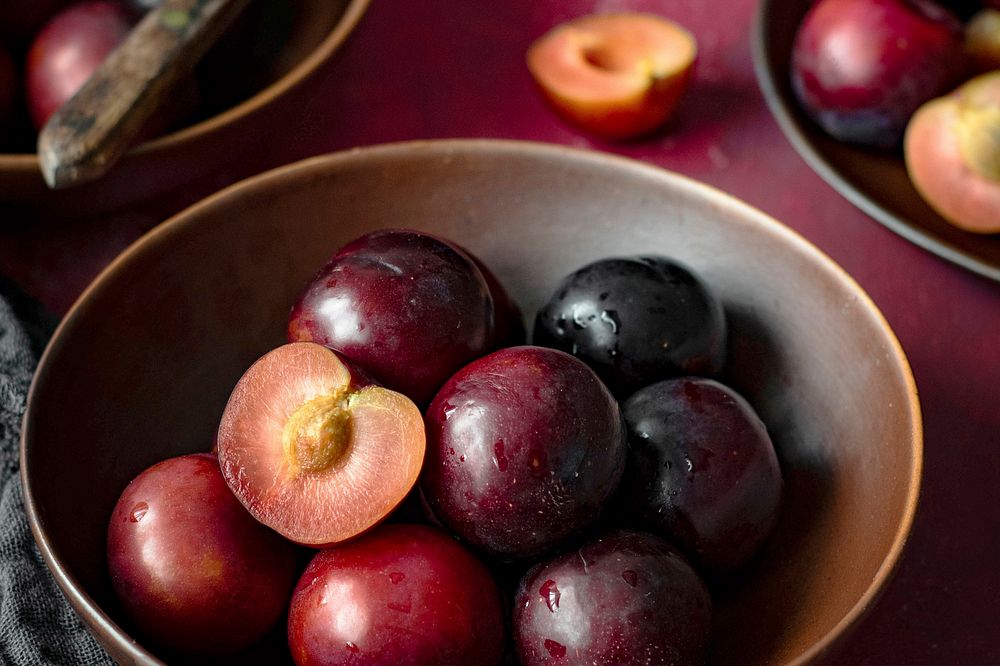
[313, 449]
[625, 598]
[191, 568]
[524, 447]
[400, 595]
[701, 471]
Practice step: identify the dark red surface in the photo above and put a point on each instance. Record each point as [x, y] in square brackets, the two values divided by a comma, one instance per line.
[440, 68]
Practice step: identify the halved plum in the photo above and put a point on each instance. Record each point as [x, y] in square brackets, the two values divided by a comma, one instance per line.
[313, 449]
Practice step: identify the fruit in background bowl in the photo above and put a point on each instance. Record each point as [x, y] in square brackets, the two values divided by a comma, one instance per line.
[524, 448]
[402, 594]
[68, 50]
[313, 449]
[860, 68]
[193, 570]
[636, 320]
[616, 75]
[20, 19]
[701, 472]
[952, 152]
[408, 308]
[624, 598]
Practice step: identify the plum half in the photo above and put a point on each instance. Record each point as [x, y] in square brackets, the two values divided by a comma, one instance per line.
[701, 472]
[190, 566]
[524, 447]
[407, 307]
[636, 320]
[624, 598]
[313, 449]
[399, 595]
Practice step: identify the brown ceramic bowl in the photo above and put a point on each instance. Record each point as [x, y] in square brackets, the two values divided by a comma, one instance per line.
[876, 182]
[316, 30]
[141, 367]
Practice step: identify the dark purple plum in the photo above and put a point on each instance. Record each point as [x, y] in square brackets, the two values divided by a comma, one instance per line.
[407, 307]
[399, 595]
[192, 569]
[636, 320]
[625, 598]
[701, 471]
[524, 448]
[861, 68]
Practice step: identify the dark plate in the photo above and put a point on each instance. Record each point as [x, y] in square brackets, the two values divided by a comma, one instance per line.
[876, 183]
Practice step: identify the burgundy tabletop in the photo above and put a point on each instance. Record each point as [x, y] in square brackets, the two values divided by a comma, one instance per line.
[445, 68]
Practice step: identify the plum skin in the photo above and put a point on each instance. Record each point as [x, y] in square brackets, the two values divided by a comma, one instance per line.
[407, 307]
[701, 471]
[860, 68]
[524, 448]
[635, 320]
[191, 568]
[624, 598]
[68, 50]
[399, 595]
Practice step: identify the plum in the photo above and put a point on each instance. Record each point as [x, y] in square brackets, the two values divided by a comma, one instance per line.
[191, 568]
[400, 595]
[860, 68]
[68, 50]
[313, 449]
[635, 320]
[624, 598]
[524, 447]
[407, 307]
[701, 471]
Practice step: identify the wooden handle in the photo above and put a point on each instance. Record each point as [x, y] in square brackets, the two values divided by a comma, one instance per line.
[87, 135]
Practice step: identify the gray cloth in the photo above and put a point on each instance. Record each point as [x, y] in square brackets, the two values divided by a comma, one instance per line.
[37, 625]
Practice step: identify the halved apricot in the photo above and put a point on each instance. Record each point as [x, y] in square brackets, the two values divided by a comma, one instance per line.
[313, 449]
[617, 75]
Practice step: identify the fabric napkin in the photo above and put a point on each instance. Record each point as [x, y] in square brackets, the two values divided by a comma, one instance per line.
[37, 625]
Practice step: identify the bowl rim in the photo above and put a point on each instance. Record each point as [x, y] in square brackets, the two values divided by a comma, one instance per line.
[760, 47]
[27, 163]
[106, 629]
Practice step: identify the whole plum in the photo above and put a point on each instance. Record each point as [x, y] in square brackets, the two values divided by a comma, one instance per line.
[701, 471]
[68, 50]
[636, 320]
[524, 448]
[401, 595]
[191, 568]
[407, 307]
[625, 598]
[860, 68]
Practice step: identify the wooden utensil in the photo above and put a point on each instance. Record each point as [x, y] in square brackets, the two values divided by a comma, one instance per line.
[88, 134]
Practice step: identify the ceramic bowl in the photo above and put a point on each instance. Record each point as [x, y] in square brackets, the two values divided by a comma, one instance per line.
[313, 32]
[141, 367]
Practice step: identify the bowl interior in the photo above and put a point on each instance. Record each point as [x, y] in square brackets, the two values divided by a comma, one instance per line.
[876, 182]
[142, 366]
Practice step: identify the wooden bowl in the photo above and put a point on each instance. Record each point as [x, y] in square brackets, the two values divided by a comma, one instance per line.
[317, 30]
[141, 367]
[876, 182]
